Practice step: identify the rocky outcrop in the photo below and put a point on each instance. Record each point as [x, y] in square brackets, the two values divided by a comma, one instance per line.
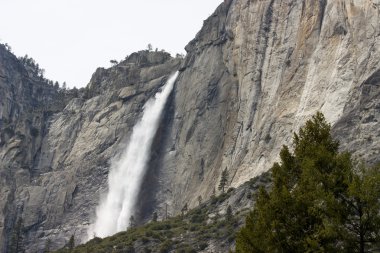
[252, 76]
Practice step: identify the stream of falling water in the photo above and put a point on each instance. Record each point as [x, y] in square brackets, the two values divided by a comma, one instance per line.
[126, 175]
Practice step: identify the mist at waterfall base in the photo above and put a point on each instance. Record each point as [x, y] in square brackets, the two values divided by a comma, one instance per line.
[126, 175]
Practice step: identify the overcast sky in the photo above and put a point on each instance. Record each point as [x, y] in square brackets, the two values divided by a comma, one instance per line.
[71, 38]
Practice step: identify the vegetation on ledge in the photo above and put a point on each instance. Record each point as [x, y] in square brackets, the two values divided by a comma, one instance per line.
[211, 226]
[321, 200]
[193, 232]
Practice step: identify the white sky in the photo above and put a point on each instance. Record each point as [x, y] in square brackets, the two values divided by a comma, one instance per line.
[71, 38]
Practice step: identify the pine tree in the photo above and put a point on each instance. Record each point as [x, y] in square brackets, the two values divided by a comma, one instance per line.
[71, 244]
[360, 212]
[132, 222]
[47, 246]
[223, 180]
[155, 217]
[229, 214]
[319, 202]
[114, 62]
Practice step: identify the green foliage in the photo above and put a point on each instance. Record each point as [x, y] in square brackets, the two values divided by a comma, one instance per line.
[154, 217]
[203, 246]
[223, 180]
[185, 249]
[114, 62]
[31, 65]
[132, 221]
[47, 246]
[231, 189]
[71, 243]
[229, 215]
[180, 56]
[191, 232]
[319, 201]
[166, 246]
[361, 207]
[34, 132]
[6, 47]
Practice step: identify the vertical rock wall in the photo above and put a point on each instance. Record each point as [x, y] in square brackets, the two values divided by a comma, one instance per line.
[252, 76]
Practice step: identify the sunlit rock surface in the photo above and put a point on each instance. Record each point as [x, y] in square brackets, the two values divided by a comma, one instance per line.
[259, 69]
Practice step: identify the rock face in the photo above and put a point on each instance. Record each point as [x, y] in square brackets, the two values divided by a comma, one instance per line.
[252, 76]
[270, 66]
[26, 104]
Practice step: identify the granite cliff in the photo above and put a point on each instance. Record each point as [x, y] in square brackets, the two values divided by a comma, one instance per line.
[253, 74]
[270, 66]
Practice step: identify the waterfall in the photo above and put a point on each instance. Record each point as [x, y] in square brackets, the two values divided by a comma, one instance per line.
[126, 175]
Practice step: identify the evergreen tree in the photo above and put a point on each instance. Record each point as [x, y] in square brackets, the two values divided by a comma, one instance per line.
[8, 47]
[47, 246]
[223, 180]
[229, 214]
[113, 62]
[75, 92]
[132, 221]
[155, 217]
[360, 212]
[71, 244]
[318, 203]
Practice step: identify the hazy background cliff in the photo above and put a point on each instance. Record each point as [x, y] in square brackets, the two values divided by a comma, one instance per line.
[254, 73]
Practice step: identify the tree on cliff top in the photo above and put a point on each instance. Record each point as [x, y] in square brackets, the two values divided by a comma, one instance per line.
[114, 62]
[321, 200]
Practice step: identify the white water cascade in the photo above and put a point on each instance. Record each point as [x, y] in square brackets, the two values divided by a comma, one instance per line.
[126, 175]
